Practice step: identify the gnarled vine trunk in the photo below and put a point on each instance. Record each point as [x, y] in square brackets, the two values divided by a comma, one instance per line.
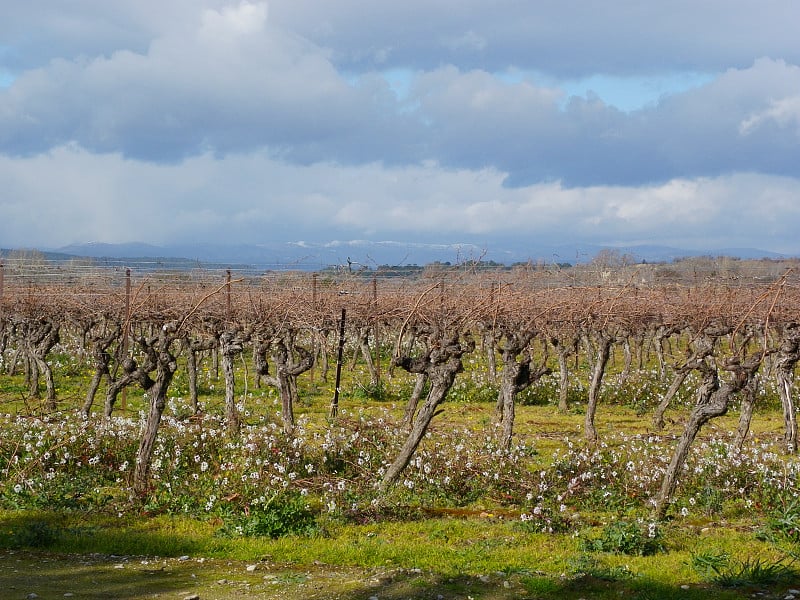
[420, 379]
[564, 349]
[785, 362]
[713, 400]
[160, 358]
[702, 346]
[231, 345]
[602, 354]
[290, 361]
[518, 374]
[440, 364]
[40, 335]
[102, 362]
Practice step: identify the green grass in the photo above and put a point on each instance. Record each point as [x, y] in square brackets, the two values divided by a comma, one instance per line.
[482, 557]
[421, 543]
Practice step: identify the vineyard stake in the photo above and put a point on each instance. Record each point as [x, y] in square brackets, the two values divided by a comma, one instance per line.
[228, 293]
[335, 403]
[314, 290]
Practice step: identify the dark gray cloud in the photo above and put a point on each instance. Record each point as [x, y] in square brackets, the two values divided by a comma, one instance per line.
[240, 113]
[567, 38]
[562, 37]
[267, 89]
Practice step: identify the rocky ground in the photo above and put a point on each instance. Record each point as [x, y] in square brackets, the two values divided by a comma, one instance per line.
[30, 576]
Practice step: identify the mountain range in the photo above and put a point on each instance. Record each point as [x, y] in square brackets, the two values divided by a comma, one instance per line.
[314, 255]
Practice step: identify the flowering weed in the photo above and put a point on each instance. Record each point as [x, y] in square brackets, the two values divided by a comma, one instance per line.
[283, 514]
[636, 538]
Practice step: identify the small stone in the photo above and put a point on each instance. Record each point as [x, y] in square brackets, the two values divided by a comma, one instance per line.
[192, 597]
[185, 557]
[789, 597]
[251, 568]
[222, 581]
[119, 566]
[68, 595]
[506, 584]
[685, 587]
[373, 598]
[32, 596]
[484, 578]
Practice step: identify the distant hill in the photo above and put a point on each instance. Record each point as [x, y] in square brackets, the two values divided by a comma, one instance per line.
[288, 255]
[311, 256]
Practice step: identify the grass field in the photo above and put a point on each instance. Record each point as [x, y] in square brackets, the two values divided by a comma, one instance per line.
[268, 515]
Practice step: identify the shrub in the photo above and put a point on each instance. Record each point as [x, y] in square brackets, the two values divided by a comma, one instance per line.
[627, 537]
[284, 514]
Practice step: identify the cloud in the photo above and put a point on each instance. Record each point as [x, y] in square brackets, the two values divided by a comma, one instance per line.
[784, 113]
[231, 84]
[236, 83]
[566, 39]
[529, 132]
[234, 21]
[253, 198]
[241, 119]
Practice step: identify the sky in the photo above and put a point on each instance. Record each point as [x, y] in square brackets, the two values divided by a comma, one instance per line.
[512, 121]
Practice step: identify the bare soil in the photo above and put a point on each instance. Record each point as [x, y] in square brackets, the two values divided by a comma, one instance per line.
[27, 575]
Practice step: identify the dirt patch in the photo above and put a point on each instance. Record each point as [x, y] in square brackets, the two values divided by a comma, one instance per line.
[26, 575]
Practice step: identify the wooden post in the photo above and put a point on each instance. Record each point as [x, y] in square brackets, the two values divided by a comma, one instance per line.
[339, 358]
[314, 290]
[228, 293]
[127, 296]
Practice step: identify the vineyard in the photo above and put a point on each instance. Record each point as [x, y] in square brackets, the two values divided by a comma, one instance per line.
[612, 407]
